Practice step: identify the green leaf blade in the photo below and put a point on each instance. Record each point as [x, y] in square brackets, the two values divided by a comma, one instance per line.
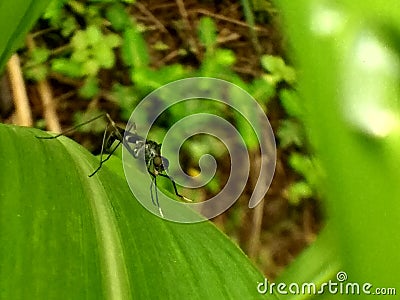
[90, 238]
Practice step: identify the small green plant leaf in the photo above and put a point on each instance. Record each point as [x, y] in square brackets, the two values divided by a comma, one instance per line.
[262, 91]
[112, 40]
[147, 79]
[67, 67]
[39, 55]
[35, 68]
[93, 35]
[278, 69]
[90, 88]
[298, 191]
[207, 33]
[134, 48]
[91, 67]
[79, 41]
[36, 73]
[77, 7]
[118, 16]
[81, 55]
[291, 103]
[290, 133]
[126, 97]
[218, 63]
[104, 55]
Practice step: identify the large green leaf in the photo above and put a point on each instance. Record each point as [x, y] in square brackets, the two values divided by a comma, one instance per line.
[316, 265]
[16, 18]
[348, 56]
[64, 235]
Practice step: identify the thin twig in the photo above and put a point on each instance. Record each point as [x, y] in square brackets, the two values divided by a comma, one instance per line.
[183, 12]
[45, 93]
[253, 245]
[21, 102]
[65, 96]
[65, 80]
[169, 57]
[49, 110]
[248, 12]
[145, 11]
[188, 27]
[42, 32]
[228, 38]
[227, 19]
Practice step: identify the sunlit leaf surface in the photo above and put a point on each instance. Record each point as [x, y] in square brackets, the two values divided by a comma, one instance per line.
[64, 235]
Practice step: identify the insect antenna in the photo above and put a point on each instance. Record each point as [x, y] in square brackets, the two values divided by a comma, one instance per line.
[71, 129]
[108, 137]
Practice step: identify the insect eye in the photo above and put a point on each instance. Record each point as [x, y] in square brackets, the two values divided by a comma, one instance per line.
[157, 161]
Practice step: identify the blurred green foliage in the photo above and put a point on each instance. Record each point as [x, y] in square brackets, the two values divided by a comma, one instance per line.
[350, 56]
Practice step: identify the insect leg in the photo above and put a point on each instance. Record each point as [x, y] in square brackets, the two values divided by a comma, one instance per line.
[102, 150]
[175, 188]
[104, 160]
[151, 189]
[103, 143]
[155, 203]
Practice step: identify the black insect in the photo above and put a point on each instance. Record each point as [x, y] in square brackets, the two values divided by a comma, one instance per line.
[137, 146]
